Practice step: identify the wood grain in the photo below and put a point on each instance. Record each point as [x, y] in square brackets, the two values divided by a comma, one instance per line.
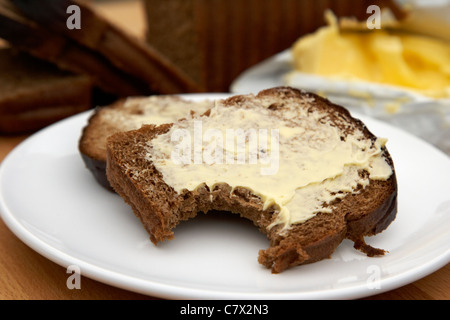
[26, 275]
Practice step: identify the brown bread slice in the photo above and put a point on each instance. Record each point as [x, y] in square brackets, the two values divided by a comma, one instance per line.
[160, 208]
[129, 114]
[35, 93]
[124, 51]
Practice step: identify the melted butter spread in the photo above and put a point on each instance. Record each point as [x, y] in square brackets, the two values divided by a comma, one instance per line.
[415, 62]
[155, 110]
[295, 158]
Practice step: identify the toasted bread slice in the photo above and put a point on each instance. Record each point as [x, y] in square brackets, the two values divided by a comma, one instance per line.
[305, 208]
[129, 114]
[35, 93]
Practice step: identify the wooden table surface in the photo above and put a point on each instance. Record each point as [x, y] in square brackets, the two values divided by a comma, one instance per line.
[26, 275]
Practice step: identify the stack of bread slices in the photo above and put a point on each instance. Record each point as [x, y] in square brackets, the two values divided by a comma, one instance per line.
[49, 71]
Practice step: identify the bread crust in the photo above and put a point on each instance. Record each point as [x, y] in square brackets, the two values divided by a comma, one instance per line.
[92, 152]
[160, 208]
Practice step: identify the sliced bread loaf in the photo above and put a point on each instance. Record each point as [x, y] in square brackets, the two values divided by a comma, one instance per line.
[333, 180]
[129, 114]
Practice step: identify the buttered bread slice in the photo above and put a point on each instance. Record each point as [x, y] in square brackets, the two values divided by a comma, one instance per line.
[301, 168]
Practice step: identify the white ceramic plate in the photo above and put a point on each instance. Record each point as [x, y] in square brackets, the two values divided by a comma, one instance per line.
[266, 74]
[52, 203]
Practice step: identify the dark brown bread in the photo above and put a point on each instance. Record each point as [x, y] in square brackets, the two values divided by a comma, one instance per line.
[35, 93]
[124, 51]
[26, 35]
[125, 115]
[160, 208]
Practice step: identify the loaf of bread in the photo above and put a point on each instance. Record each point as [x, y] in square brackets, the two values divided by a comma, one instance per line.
[332, 178]
[215, 41]
[35, 93]
[129, 114]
